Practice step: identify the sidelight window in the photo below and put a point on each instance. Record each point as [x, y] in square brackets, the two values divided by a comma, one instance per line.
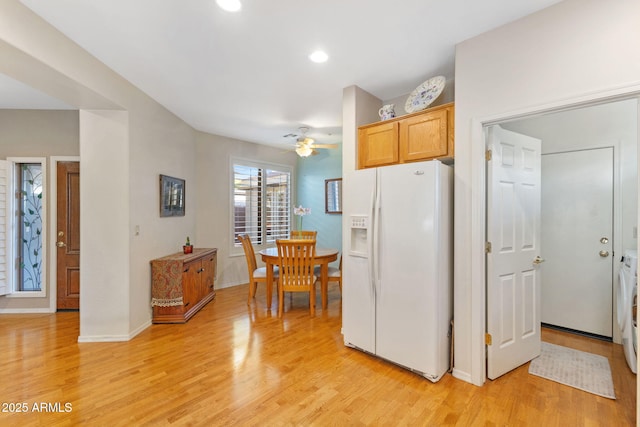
[22, 227]
[29, 223]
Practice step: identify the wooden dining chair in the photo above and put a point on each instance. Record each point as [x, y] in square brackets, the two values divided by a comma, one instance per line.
[296, 258]
[334, 274]
[256, 274]
[304, 234]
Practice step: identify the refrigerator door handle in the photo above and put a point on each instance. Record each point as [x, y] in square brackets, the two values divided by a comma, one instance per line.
[376, 233]
[372, 226]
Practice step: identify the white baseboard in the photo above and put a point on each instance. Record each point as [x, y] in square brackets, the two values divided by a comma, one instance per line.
[114, 338]
[25, 310]
[229, 285]
[103, 338]
[461, 375]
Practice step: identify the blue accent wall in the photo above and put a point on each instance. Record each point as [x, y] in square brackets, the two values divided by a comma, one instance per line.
[310, 175]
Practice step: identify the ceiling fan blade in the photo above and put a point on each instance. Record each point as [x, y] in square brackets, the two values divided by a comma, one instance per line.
[325, 145]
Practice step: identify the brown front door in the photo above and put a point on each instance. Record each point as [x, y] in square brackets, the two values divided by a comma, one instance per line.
[68, 235]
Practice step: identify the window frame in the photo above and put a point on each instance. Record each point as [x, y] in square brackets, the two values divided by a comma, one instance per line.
[12, 265]
[236, 247]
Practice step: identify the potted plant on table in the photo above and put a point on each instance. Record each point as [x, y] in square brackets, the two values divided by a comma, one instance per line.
[187, 248]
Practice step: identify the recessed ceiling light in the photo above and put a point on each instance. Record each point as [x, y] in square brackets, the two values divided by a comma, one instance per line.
[229, 5]
[319, 56]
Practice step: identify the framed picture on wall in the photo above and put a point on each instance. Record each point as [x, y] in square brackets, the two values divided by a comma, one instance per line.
[333, 196]
[171, 196]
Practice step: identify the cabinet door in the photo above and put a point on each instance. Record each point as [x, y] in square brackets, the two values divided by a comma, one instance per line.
[425, 136]
[190, 284]
[378, 145]
[208, 274]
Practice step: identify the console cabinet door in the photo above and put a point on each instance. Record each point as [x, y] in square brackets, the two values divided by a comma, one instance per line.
[208, 274]
[190, 284]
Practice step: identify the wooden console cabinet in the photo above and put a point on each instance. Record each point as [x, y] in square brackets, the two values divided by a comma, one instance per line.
[182, 284]
[424, 135]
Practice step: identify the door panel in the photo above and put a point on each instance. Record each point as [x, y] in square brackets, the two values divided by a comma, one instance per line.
[577, 202]
[68, 235]
[358, 294]
[406, 326]
[513, 229]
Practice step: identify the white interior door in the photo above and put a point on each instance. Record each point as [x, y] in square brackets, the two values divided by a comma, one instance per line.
[513, 230]
[577, 228]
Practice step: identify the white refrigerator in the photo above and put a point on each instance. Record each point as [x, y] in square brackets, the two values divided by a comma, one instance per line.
[397, 264]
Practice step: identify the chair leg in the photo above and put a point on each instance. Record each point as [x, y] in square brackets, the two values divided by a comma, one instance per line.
[312, 301]
[253, 286]
[280, 302]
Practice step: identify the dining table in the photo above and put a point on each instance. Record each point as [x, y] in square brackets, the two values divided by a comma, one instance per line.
[324, 256]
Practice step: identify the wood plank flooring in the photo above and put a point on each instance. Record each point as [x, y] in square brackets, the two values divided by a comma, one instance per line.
[234, 364]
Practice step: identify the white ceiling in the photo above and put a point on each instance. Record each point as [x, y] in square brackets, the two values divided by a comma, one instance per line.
[246, 75]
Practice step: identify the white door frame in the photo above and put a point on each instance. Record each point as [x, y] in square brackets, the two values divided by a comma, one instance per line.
[478, 374]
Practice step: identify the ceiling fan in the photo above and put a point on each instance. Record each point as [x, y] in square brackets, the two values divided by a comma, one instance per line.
[306, 146]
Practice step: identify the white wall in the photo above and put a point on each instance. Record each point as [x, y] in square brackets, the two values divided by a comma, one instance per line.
[213, 211]
[572, 52]
[38, 133]
[120, 186]
[104, 260]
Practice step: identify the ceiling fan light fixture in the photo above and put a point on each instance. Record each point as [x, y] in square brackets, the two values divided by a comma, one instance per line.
[319, 56]
[229, 5]
[304, 150]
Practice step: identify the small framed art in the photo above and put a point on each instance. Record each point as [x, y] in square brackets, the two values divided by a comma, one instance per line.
[172, 192]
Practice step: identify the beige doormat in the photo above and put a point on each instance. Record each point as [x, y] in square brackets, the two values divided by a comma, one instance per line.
[584, 371]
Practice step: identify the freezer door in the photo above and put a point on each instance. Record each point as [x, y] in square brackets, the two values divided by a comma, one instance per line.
[409, 327]
[358, 294]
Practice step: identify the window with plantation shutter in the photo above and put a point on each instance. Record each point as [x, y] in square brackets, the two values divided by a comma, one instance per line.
[261, 202]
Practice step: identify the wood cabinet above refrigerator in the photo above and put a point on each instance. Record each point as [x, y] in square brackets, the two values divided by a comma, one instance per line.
[424, 135]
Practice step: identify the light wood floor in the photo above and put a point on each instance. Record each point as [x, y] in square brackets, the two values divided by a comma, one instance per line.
[237, 365]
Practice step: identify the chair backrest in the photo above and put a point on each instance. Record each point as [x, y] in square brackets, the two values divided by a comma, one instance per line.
[304, 234]
[296, 258]
[248, 253]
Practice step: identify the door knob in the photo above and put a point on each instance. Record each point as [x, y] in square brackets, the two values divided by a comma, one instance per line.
[61, 244]
[604, 254]
[604, 240]
[538, 260]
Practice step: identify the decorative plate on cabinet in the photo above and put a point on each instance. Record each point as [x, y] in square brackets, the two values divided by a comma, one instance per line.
[425, 94]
